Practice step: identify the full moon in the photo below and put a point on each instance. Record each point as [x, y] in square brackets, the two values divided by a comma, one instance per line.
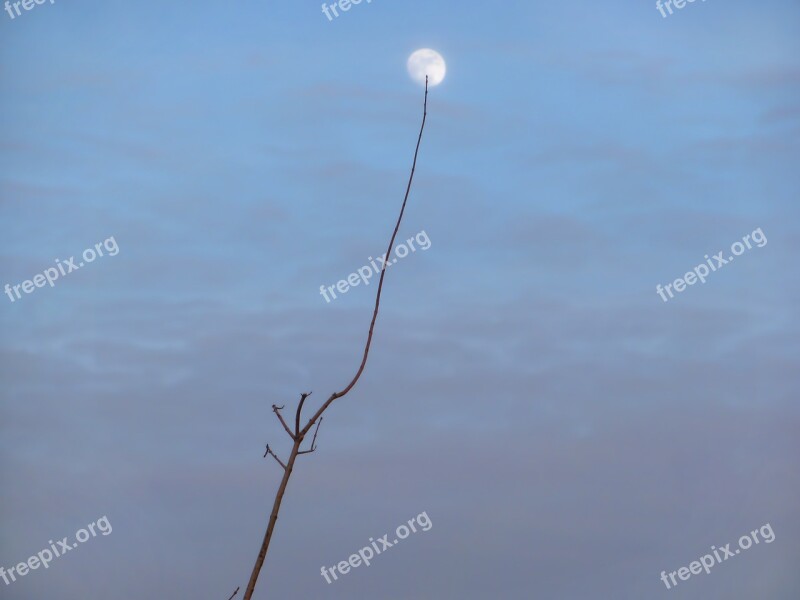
[426, 62]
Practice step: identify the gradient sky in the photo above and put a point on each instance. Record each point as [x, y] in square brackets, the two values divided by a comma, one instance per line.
[569, 434]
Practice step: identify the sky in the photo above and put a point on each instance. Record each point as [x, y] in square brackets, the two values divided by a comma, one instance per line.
[569, 433]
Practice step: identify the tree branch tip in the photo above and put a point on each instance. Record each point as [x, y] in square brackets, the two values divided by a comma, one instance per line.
[277, 411]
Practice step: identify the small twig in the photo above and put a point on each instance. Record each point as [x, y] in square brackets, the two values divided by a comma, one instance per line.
[234, 593]
[276, 410]
[299, 411]
[313, 441]
[275, 456]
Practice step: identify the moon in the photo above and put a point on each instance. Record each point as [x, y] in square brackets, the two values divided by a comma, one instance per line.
[427, 62]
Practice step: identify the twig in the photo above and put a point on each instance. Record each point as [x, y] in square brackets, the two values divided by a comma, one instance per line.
[313, 441]
[299, 411]
[276, 410]
[275, 456]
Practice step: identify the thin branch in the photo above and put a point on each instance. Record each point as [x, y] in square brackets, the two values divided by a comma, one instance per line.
[350, 385]
[275, 456]
[276, 410]
[316, 431]
[317, 418]
[299, 412]
[313, 441]
[234, 593]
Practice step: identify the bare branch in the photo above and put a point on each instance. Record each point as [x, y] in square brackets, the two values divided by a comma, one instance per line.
[299, 412]
[313, 441]
[276, 410]
[363, 364]
[275, 456]
[316, 431]
[300, 434]
[234, 593]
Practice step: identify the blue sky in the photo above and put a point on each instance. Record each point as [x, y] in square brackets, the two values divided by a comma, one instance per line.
[569, 434]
